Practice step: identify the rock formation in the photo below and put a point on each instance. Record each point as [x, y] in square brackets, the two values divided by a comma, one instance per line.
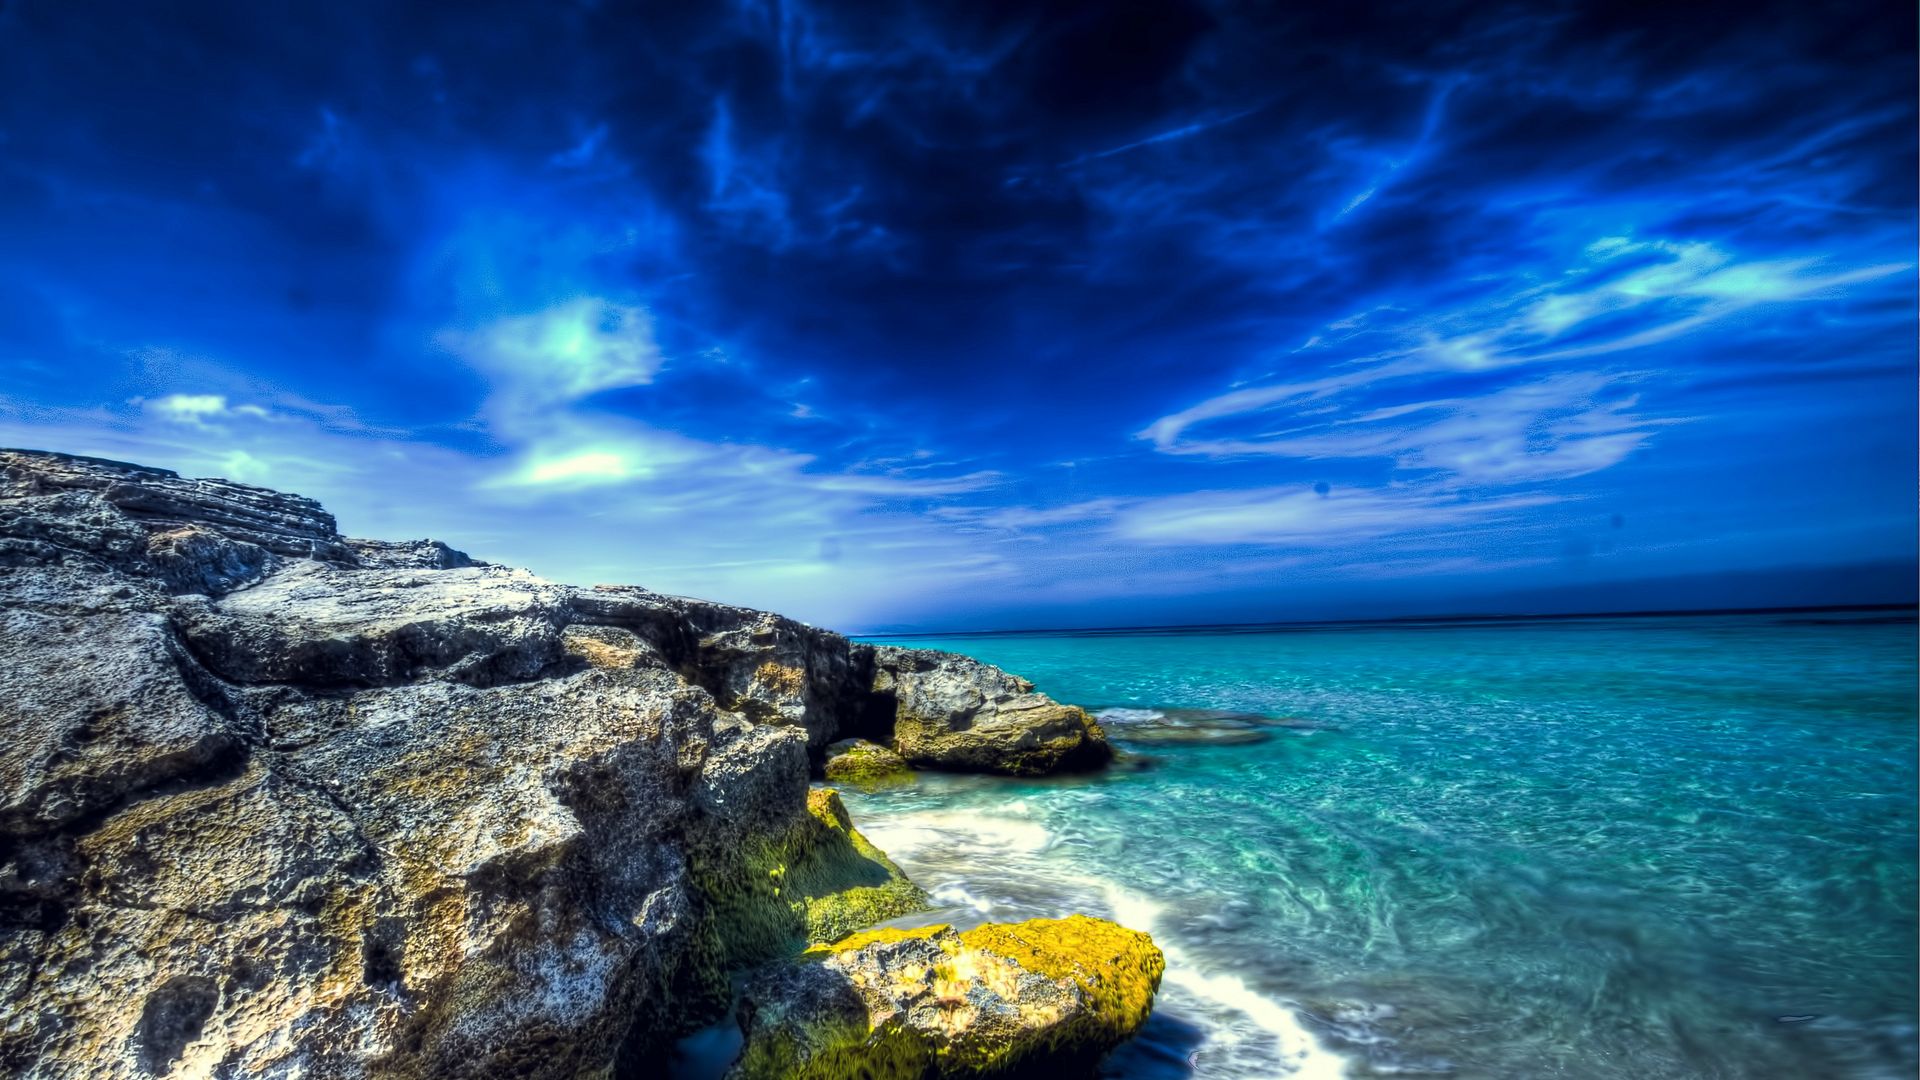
[993, 1000]
[954, 712]
[866, 764]
[276, 803]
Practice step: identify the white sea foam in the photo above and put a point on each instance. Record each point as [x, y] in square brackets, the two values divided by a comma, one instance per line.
[1296, 1050]
[1127, 716]
[906, 835]
[966, 857]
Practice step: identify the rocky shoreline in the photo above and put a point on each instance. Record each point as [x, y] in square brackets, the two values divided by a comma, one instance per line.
[278, 802]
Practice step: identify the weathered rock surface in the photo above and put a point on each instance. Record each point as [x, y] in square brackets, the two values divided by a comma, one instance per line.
[954, 712]
[866, 765]
[162, 502]
[1044, 994]
[278, 803]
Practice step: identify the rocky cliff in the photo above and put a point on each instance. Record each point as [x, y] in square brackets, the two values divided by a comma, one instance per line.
[276, 802]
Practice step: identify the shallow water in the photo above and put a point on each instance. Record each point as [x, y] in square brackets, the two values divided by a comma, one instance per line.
[1678, 847]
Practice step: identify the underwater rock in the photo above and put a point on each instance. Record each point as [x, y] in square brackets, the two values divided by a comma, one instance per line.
[866, 765]
[1214, 727]
[274, 802]
[936, 1002]
[954, 712]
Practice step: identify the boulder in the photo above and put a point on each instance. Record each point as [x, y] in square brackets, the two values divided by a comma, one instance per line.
[954, 712]
[866, 764]
[1044, 995]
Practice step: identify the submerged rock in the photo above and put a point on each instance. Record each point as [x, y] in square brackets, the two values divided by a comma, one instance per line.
[936, 1002]
[1216, 727]
[278, 803]
[866, 764]
[954, 712]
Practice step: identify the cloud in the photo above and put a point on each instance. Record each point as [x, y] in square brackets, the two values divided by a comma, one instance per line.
[735, 280]
[1559, 427]
[582, 153]
[562, 354]
[1622, 296]
[1302, 517]
[1027, 517]
[743, 184]
[1184, 131]
[590, 465]
[901, 485]
[197, 410]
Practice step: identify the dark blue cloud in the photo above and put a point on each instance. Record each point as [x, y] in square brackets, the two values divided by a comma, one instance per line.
[878, 314]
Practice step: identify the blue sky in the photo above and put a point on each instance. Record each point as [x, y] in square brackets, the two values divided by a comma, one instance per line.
[981, 314]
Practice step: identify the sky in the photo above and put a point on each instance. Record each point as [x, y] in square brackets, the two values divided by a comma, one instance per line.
[980, 314]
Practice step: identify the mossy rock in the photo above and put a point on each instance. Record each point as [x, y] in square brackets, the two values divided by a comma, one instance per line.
[866, 765]
[819, 882]
[902, 1004]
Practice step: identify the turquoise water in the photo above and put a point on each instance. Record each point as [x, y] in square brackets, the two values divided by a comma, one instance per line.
[1679, 847]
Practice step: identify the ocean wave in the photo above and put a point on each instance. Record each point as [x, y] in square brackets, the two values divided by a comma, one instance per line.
[982, 866]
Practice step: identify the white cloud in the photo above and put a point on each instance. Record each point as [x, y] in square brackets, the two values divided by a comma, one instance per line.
[244, 467]
[1627, 294]
[197, 409]
[1555, 428]
[562, 354]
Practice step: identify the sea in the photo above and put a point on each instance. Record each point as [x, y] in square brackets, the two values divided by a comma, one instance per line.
[1651, 847]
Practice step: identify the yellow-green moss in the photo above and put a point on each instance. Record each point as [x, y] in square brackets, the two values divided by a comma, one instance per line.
[847, 1051]
[1115, 969]
[1118, 969]
[819, 882]
[861, 940]
[867, 765]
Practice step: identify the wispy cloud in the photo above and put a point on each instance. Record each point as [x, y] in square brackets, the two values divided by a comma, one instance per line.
[1302, 517]
[1554, 428]
[1382, 168]
[743, 183]
[1515, 426]
[1184, 131]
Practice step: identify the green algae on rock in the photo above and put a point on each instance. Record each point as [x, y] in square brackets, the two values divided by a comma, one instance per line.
[866, 765]
[895, 1004]
[818, 882]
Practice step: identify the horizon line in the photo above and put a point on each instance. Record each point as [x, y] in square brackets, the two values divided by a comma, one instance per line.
[1311, 624]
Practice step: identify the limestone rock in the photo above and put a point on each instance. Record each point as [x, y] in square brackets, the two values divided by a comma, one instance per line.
[276, 803]
[283, 524]
[866, 765]
[1047, 994]
[954, 712]
[324, 626]
[409, 555]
